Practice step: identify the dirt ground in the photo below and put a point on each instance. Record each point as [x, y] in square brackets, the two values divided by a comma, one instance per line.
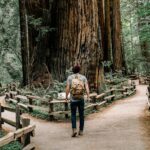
[125, 125]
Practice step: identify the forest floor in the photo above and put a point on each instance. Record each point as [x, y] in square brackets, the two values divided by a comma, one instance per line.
[124, 125]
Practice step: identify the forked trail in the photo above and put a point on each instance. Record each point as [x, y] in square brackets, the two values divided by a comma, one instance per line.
[121, 126]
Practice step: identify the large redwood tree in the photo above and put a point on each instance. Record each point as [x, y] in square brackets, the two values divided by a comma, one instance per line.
[62, 33]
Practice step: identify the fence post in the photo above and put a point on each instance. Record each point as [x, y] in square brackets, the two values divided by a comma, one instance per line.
[148, 88]
[26, 138]
[30, 103]
[66, 109]
[0, 116]
[51, 108]
[112, 92]
[18, 125]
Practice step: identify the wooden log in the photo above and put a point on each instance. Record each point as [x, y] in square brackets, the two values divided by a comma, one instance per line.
[23, 131]
[90, 106]
[7, 96]
[38, 108]
[13, 93]
[12, 101]
[8, 108]
[12, 123]
[30, 103]
[44, 100]
[97, 105]
[100, 96]
[18, 124]
[101, 104]
[0, 117]
[18, 134]
[120, 90]
[109, 98]
[148, 88]
[23, 106]
[112, 93]
[21, 97]
[109, 91]
[54, 101]
[6, 139]
[29, 129]
[29, 147]
[51, 109]
[26, 138]
[92, 95]
[148, 102]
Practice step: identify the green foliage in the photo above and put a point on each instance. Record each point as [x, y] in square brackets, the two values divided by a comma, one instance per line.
[40, 114]
[10, 57]
[11, 146]
[135, 26]
[37, 25]
[36, 22]
[107, 64]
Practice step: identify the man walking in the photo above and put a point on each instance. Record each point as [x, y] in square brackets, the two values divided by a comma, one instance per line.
[77, 85]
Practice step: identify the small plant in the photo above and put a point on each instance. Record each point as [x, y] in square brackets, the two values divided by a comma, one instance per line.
[40, 114]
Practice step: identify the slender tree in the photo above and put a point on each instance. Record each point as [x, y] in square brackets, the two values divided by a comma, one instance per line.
[24, 42]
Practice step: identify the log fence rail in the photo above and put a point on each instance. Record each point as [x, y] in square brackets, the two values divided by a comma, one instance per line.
[97, 100]
[22, 125]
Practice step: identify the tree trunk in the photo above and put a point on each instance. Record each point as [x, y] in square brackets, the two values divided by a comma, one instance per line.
[76, 39]
[143, 22]
[116, 35]
[107, 38]
[101, 23]
[24, 42]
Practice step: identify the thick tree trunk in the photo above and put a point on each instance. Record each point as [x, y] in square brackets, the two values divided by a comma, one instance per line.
[101, 22]
[107, 38]
[76, 39]
[116, 35]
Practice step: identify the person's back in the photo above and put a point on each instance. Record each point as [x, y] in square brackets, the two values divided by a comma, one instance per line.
[76, 85]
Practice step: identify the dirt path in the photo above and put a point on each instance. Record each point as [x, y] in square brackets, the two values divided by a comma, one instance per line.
[121, 126]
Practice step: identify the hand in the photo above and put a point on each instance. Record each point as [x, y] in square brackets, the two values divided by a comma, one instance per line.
[67, 101]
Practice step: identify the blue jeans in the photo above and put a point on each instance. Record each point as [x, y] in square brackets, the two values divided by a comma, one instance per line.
[80, 105]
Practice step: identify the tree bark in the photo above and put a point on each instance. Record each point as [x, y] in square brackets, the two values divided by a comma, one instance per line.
[107, 38]
[116, 35]
[24, 42]
[101, 12]
[76, 40]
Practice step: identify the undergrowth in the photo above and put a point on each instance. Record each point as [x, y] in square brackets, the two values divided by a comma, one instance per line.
[11, 146]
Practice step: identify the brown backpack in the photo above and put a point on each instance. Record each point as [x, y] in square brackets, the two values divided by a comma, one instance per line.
[77, 88]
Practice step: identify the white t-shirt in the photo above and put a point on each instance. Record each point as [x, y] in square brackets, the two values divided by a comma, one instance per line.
[69, 81]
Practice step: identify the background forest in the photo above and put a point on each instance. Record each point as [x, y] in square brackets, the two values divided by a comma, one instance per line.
[41, 40]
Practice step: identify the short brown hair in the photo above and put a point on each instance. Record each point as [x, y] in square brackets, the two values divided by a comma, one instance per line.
[76, 69]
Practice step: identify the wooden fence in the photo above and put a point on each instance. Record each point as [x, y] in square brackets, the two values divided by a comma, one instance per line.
[144, 79]
[48, 104]
[148, 94]
[22, 125]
